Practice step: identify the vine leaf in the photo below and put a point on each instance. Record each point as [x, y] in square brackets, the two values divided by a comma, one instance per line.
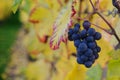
[39, 14]
[16, 5]
[115, 54]
[60, 27]
[113, 72]
[94, 73]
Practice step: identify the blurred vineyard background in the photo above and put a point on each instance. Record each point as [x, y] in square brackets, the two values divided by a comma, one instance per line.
[25, 53]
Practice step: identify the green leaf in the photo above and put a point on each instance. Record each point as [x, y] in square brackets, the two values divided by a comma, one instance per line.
[16, 4]
[94, 73]
[113, 70]
[115, 54]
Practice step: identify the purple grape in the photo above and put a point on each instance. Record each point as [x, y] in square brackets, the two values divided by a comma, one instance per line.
[92, 58]
[86, 25]
[92, 45]
[76, 29]
[79, 60]
[89, 38]
[91, 31]
[82, 47]
[84, 58]
[95, 50]
[97, 36]
[75, 36]
[88, 64]
[89, 52]
[83, 33]
[77, 25]
[96, 55]
[70, 38]
[98, 49]
[77, 42]
[70, 32]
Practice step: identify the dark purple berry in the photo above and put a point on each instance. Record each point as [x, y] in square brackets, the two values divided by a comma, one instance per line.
[89, 52]
[70, 32]
[84, 58]
[91, 31]
[79, 60]
[77, 42]
[97, 36]
[83, 33]
[75, 36]
[92, 58]
[79, 54]
[76, 29]
[70, 38]
[82, 47]
[88, 64]
[86, 24]
[77, 25]
[92, 45]
[89, 38]
[95, 50]
[98, 49]
[96, 55]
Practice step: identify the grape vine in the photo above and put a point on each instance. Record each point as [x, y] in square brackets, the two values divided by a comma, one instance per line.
[96, 11]
[84, 41]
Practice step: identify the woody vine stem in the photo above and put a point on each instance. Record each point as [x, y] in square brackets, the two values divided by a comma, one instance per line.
[95, 11]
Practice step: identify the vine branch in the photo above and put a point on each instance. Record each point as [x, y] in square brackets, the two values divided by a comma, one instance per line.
[80, 9]
[110, 26]
[107, 31]
[92, 5]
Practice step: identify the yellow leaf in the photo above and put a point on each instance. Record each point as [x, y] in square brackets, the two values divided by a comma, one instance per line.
[38, 70]
[103, 55]
[78, 73]
[39, 14]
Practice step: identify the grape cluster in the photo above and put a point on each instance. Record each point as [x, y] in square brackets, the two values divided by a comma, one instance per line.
[84, 41]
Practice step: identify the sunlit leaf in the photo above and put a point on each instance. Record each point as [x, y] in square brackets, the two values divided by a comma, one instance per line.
[39, 14]
[94, 73]
[77, 73]
[103, 55]
[16, 5]
[113, 70]
[115, 54]
[60, 27]
[38, 70]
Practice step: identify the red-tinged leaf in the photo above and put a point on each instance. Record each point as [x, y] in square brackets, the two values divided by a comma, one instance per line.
[73, 11]
[34, 52]
[42, 39]
[60, 27]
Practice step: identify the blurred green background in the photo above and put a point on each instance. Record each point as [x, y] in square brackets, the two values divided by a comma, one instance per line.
[9, 28]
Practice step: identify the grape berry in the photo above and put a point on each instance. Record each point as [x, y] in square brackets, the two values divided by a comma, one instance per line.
[84, 41]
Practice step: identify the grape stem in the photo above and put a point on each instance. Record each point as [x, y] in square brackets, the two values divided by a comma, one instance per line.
[80, 9]
[110, 26]
[107, 31]
[92, 5]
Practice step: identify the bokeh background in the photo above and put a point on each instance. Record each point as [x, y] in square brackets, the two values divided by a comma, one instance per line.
[25, 53]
